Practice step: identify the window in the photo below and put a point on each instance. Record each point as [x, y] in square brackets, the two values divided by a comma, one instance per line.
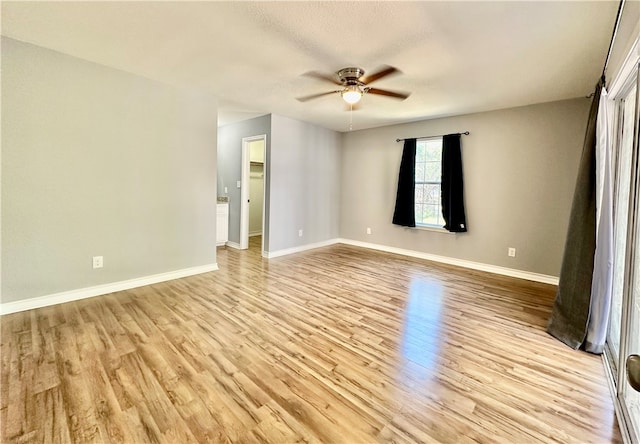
[428, 182]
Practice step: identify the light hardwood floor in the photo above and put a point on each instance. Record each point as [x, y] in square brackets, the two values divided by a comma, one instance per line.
[338, 344]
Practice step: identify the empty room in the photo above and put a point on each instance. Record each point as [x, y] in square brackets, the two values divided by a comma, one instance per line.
[320, 221]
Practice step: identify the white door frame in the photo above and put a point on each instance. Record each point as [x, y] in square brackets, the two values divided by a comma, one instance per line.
[245, 179]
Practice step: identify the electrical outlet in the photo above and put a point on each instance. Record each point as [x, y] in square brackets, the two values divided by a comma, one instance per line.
[226, 190]
[511, 252]
[98, 262]
[299, 233]
[238, 184]
[368, 230]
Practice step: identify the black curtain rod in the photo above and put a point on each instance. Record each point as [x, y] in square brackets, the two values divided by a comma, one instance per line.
[613, 35]
[466, 133]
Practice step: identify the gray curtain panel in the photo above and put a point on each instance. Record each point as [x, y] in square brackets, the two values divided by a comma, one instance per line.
[570, 314]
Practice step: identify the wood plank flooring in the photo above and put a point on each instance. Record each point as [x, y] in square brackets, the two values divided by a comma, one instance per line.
[334, 345]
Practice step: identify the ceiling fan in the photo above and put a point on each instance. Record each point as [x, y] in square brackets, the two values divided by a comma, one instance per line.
[354, 84]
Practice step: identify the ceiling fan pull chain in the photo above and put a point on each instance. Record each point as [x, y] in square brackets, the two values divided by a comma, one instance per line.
[351, 118]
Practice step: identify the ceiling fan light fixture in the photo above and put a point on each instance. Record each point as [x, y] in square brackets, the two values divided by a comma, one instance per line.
[352, 94]
[354, 84]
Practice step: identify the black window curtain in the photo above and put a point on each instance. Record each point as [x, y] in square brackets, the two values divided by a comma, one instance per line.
[452, 191]
[405, 212]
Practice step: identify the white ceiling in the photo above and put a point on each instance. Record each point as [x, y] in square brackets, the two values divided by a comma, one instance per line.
[456, 57]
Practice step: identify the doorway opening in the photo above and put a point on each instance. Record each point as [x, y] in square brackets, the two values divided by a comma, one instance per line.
[252, 191]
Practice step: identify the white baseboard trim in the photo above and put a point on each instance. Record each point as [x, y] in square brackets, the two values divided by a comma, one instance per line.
[278, 253]
[233, 245]
[545, 279]
[98, 290]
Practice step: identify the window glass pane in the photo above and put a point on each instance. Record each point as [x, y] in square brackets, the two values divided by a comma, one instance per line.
[420, 152]
[426, 213]
[433, 151]
[419, 218]
[431, 214]
[433, 172]
[432, 195]
[419, 193]
[419, 172]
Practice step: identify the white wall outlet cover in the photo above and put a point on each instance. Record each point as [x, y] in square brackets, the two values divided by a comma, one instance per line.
[511, 252]
[238, 184]
[226, 190]
[368, 230]
[98, 261]
[300, 233]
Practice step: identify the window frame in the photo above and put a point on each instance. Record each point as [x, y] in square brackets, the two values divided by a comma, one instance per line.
[425, 226]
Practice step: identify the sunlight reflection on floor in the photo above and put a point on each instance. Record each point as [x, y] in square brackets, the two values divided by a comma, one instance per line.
[421, 336]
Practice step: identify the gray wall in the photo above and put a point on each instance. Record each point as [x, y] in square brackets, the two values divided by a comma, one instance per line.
[230, 167]
[96, 161]
[520, 167]
[304, 176]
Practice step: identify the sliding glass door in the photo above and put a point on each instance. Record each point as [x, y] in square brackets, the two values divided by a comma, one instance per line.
[624, 327]
[630, 397]
[624, 153]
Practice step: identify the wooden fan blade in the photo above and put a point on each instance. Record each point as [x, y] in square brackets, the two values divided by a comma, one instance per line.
[385, 92]
[322, 76]
[315, 96]
[383, 72]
